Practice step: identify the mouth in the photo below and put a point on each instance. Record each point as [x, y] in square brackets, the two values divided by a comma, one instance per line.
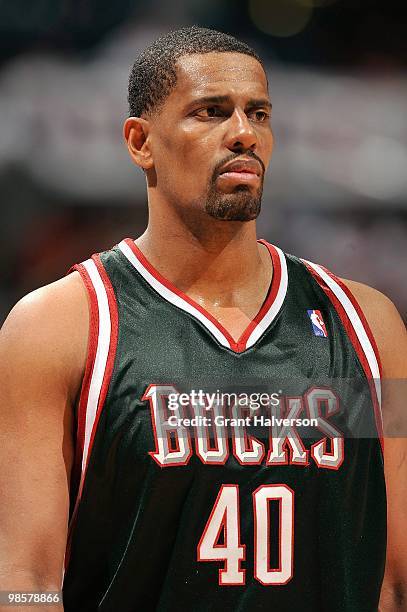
[241, 171]
[239, 176]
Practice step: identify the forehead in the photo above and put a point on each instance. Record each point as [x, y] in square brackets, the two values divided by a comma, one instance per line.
[220, 73]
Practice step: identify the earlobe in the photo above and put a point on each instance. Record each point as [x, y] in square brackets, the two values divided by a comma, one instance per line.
[136, 135]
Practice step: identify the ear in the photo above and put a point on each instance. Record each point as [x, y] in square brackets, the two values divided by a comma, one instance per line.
[135, 132]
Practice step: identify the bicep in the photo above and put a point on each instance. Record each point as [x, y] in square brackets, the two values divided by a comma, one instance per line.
[395, 580]
[36, 443]
[391, 338]
[395, 467]
[396, 478]
[36, 458]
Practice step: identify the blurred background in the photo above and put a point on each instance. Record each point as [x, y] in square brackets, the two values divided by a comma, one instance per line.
[336, 191]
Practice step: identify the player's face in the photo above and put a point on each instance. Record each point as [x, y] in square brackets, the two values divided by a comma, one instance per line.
[212, 140]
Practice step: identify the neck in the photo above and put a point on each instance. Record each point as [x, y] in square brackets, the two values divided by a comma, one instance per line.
[210, 260]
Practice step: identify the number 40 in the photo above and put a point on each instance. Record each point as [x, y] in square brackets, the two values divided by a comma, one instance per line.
[225, 516]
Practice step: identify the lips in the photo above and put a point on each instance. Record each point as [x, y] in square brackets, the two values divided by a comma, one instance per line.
[242, 166]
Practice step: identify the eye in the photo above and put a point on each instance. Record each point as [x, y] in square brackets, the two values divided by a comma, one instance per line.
[260, 115]
[209, 112]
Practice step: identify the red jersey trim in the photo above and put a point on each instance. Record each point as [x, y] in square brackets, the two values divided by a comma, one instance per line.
[107, 374]
[361, 315]
[84, 393]
[114, 321]
[270, 299]
[346, 321]
[241, 344]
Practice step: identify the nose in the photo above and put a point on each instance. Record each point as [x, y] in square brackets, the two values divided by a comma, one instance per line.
[240, 135]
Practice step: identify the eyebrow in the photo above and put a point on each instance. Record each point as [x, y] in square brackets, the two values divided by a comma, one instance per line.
[252, 103]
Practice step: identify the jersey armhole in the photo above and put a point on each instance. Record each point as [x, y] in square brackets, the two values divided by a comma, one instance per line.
[357, 330]
[361, 315]
[82, 400]
[102, 345]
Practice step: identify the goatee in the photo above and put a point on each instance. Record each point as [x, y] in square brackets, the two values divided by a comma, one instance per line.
[241, 205]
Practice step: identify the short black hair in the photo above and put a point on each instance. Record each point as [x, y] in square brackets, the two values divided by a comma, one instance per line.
[154, 75]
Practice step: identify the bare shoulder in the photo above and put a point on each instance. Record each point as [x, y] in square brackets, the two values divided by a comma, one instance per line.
[386, 325]
[48, 329]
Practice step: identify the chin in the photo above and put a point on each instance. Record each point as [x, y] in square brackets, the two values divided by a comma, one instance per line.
[241, 205]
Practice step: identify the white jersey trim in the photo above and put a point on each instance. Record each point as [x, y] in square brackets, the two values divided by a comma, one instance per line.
[172, 297]
[356, 324]
[102, 352]
[274, 309]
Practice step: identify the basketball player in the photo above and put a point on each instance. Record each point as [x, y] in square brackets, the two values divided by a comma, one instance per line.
[135, 512]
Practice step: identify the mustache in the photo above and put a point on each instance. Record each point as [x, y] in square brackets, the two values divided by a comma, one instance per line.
[234, 156]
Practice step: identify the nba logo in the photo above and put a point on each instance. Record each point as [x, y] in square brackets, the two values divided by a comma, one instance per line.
[317, 322]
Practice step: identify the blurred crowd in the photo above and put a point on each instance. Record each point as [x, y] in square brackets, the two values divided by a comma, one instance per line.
[336, 192]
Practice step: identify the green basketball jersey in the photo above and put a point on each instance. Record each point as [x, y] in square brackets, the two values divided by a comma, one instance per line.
[214, 474]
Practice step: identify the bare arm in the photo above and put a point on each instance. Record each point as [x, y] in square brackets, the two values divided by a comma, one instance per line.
[391, 337]
[42, 356]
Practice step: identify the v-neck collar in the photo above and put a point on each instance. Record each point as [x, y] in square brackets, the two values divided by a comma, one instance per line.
[261, 322]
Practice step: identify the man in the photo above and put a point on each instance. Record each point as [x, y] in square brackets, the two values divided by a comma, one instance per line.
[164, 515]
